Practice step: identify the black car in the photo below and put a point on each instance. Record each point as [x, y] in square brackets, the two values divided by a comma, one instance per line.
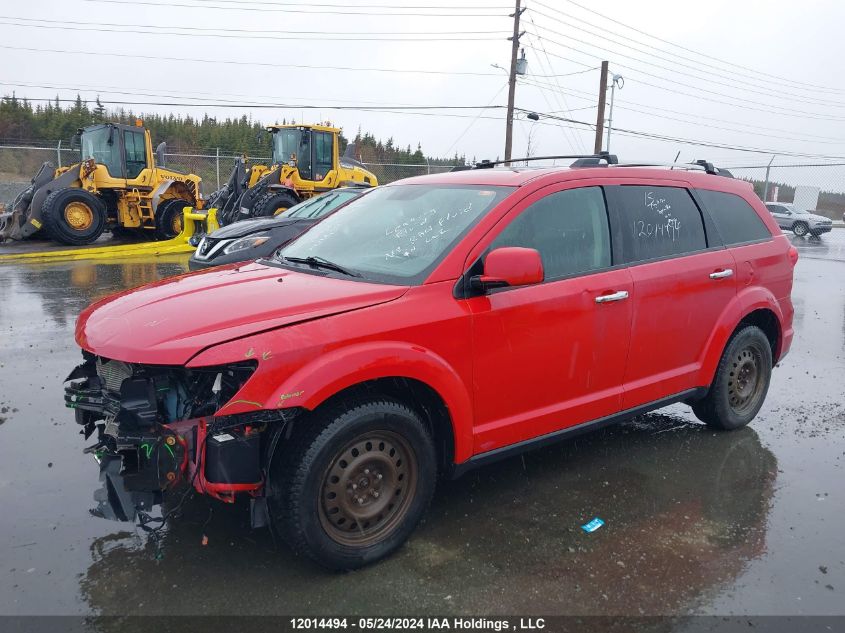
[248, 240]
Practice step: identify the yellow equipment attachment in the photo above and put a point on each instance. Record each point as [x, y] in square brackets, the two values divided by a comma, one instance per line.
[192, 222]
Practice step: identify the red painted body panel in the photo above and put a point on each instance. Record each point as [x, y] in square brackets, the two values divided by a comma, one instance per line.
[676, 307]
[547, 357]
[168, 322]
[509, 366]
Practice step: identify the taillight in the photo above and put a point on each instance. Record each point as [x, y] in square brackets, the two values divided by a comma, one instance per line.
[793, 255]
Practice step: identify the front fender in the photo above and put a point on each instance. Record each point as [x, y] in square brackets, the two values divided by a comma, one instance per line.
[312, 383]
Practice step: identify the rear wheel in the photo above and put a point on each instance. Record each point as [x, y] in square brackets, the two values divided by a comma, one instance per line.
[741, 382]
[800, 229]
[351, 491]
[272, 203]
[169, 215]
[73, 216]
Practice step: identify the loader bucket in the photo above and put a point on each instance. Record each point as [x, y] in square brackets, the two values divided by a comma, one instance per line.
[17, 224]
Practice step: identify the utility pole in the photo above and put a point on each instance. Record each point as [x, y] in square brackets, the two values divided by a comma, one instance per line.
[512, 81]
[602, 101]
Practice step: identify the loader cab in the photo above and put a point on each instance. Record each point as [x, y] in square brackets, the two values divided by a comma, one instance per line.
[311, 149]
[122, 149]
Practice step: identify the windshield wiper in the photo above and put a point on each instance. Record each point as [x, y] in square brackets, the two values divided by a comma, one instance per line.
[321, 262]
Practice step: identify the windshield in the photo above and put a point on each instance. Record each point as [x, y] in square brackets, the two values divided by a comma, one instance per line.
[397, 233]
[319, 206]
[290, 144]
[95, 144]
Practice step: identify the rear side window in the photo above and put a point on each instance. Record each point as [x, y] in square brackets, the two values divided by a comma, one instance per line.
[568, 228]
[735, 219]
[658, 222]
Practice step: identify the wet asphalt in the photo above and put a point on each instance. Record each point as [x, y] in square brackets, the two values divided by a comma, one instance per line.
[696, 522]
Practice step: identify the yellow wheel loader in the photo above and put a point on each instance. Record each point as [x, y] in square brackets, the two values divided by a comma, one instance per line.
[306, 161]
[119, 185]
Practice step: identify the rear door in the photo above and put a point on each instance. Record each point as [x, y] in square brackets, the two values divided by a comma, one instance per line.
[551, 355]
[683, 278]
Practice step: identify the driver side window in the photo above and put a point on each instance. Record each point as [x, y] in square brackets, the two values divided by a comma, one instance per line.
[135, 153]
[568, 228]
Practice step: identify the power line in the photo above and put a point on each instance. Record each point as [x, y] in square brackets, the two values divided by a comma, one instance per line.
[397, 11]
[579, 94]
[674, 90]
[475, 120]
[696, 60]
[428, 110]
[101, 28]
[285, 65]
[179, 94]
[767, 92]
[575, 139]
[253, 31]
[698, 53]
[674, 139]
[293, 106]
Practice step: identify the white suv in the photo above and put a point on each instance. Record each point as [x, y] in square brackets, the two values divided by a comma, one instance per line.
[799, 221]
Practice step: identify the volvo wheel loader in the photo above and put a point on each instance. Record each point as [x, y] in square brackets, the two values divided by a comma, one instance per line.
[306, 161]
[120, 185]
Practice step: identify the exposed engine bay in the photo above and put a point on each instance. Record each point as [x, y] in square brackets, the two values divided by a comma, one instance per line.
[156, 431]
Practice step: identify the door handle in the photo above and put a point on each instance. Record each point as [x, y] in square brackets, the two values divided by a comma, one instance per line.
[721, 274]
[616, 296]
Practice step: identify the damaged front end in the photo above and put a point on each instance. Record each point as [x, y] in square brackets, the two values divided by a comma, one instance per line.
[156, 430]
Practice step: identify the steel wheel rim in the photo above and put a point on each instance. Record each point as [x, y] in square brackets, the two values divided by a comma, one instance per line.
[176, 224]
[79, 216]
[799, 230]
[745, 380]
[368, 488]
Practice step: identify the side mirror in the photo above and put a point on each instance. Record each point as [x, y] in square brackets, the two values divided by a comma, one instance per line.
[161, 149]
[510, 266]
[75, 141]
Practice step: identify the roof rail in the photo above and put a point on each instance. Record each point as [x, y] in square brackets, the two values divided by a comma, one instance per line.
[704, 165]
[595, 159]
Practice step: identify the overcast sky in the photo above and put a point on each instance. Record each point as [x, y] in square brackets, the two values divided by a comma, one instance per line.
[766, 71]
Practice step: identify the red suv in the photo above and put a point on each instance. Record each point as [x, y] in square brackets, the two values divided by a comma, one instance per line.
[434, 325]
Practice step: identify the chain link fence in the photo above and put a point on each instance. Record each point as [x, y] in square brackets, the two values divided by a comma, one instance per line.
[818, 188]
[18, 165]
[815, 187]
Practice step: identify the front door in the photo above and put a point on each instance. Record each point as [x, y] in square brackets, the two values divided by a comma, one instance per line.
[551, 355]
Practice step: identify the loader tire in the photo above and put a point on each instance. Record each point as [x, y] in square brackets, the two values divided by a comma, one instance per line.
[169, 218]
[272, 203]
[73, 216]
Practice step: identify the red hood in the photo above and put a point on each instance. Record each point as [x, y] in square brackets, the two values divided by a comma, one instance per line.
[168, 322]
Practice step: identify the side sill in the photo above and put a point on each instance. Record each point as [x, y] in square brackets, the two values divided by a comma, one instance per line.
[482, 459]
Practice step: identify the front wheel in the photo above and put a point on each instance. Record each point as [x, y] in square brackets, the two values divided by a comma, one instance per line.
[73, 216]
[800, 229]
[169, 214]
[741, 382]
[273, 203]
[351, 487]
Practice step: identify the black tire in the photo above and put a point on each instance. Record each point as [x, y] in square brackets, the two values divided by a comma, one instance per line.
[169, 217]
[741, 383]
[73, 216]
[381, 438]
[800, 229]
[271, 202]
